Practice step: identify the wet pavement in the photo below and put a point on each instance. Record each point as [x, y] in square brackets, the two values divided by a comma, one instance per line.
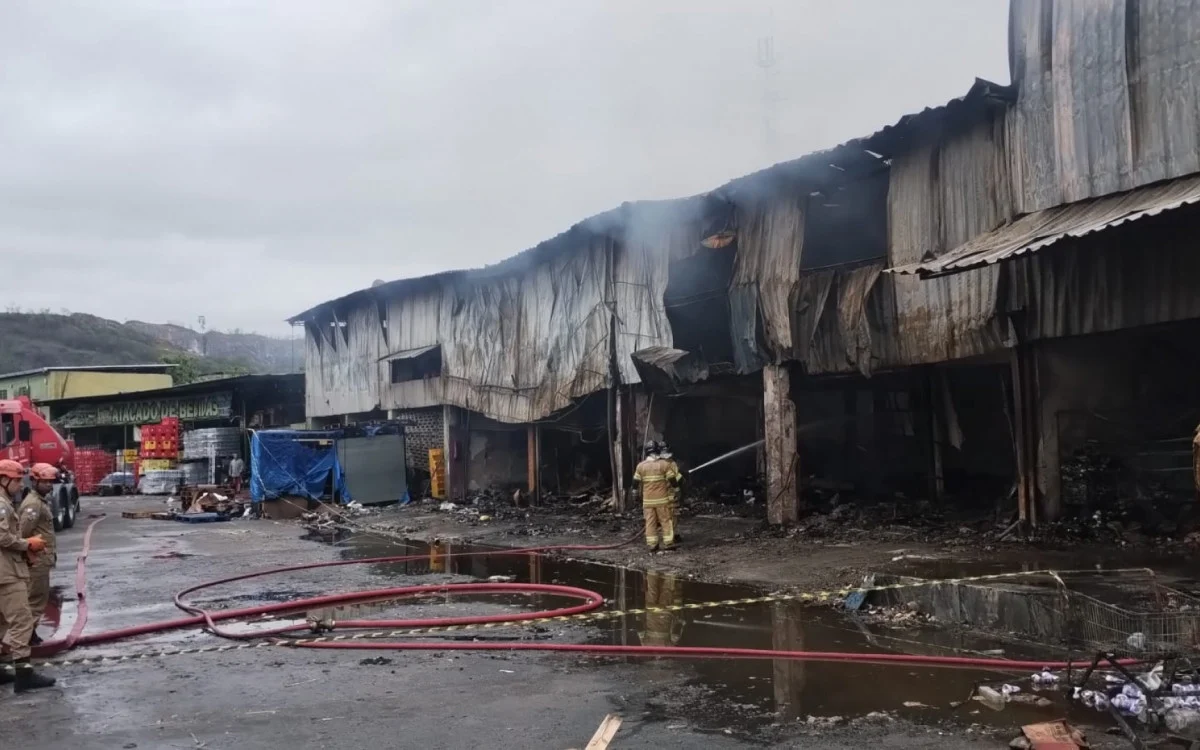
[277, 697]
[748, 694]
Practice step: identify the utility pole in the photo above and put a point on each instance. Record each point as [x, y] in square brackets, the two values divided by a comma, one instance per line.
[203, 336]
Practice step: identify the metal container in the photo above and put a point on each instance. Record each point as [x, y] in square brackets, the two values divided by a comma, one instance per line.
[210, 442]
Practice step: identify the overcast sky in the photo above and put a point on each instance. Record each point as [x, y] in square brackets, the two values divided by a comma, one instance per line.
[245, 160]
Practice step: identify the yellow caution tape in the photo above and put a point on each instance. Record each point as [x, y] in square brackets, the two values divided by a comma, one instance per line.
[802, 597]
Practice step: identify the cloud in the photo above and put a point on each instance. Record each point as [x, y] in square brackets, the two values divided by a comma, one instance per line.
[244, 160]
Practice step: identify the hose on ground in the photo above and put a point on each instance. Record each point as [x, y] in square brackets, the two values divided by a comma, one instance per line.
[589, 601]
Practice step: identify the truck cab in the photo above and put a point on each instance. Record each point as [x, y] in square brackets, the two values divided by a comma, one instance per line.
[27, 438]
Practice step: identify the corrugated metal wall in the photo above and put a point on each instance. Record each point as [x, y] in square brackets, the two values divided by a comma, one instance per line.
[770, 239]
[653, 237]
[844, 320]
[944, 191]
[1108, 281]
[515, 347]
[1107, 93]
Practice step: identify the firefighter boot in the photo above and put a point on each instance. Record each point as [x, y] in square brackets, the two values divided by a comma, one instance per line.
[25, 679]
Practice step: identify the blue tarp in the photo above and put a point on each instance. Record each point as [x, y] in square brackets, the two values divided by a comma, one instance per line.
[294, 462]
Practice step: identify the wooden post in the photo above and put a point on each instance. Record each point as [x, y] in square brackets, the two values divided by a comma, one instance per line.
[618, 443]
[937, 482]
[1024, 438]
[531, 466]
[779, 430]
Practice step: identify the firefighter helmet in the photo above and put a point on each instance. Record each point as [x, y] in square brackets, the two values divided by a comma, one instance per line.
[43, 472]
[11, 469]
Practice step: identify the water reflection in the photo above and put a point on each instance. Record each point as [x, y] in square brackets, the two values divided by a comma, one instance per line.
[733, 692]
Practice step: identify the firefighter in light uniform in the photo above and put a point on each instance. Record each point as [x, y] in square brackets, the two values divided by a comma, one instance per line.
[664, 452]
[655, 477]
[16, 623]
[38, 520]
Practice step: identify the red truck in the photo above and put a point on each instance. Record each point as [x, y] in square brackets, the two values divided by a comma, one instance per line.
[28, 439]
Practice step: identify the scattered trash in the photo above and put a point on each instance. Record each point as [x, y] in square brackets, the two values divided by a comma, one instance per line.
[1137, 641]
[990, 698]
[914, 704]
[1183, 721]
[501, 579]
[1045, 678]
[377, 661]
[1052, 735]
[856, 599]
[448, 507]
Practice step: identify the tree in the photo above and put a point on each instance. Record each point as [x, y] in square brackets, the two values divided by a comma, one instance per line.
[187, 367]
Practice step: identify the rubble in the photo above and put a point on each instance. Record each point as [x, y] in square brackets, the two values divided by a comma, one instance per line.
[908, 616]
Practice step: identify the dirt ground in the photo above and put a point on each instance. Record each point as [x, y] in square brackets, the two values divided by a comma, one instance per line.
[276, 697]
[818, 555]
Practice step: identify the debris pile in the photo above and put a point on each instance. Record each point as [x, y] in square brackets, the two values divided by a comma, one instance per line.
[908, 616]
[1154, 699]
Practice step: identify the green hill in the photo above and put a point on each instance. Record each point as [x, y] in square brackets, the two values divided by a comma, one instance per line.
[32, 340]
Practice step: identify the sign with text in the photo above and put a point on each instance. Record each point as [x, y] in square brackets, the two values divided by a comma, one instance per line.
[187, 408]
[151, 410]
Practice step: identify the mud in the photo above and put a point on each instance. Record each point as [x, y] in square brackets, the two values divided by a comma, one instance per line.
[277, 697]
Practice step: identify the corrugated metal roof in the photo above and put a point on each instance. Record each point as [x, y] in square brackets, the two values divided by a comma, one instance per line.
[293, 380]
[151, 368]
[846, 162]
[1042, 229]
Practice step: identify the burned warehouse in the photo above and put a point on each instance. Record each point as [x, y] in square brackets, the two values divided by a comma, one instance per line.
[988, 305]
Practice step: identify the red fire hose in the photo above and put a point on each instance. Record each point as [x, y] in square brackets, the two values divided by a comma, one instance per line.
[590, 602]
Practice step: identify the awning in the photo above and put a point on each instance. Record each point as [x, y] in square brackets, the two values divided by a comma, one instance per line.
[409, 353]
[1042, 229]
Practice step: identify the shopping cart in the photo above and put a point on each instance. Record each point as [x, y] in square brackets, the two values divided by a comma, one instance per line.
[1130, 612]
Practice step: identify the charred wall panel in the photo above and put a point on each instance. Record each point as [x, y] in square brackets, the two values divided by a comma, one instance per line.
[944, 191]
[1107, 93]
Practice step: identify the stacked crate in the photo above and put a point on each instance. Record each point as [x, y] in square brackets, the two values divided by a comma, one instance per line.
[160, 442]
[92, 465]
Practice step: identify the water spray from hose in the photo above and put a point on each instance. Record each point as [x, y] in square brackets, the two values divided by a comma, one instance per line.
[730, 454]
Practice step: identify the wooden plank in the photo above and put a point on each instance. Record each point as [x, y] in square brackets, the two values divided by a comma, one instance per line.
[605, 733]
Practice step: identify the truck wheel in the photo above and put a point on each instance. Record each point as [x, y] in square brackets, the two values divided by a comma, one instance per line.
[69, 508]
[56, 510]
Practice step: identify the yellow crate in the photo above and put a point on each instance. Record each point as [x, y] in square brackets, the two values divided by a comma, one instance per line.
[157, 464]
[437, 473]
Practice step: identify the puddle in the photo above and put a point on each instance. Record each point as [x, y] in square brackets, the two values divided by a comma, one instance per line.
[744, 694]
